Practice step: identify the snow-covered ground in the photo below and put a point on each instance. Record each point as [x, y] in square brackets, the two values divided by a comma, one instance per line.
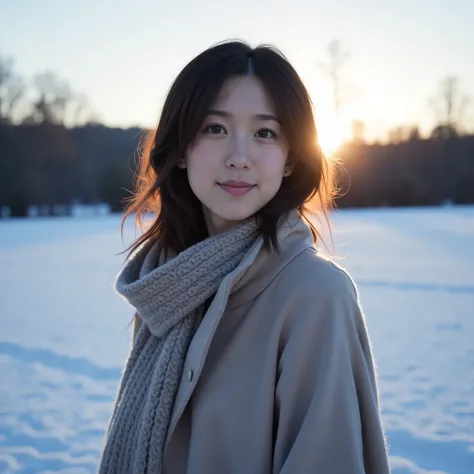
[64, 334]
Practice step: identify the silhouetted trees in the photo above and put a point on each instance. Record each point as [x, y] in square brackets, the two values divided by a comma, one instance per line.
[47, 164]
[450, 105]
[407, 173]
[51, 155]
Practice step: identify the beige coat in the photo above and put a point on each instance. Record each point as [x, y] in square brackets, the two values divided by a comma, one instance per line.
[279, 377]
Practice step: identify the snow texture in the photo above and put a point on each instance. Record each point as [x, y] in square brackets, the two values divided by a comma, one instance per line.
[64, 334]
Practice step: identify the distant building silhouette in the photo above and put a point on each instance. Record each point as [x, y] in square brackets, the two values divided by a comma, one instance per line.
[358, 131]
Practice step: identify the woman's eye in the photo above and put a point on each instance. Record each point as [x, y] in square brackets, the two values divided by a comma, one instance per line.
[266, 133]
[215, 129]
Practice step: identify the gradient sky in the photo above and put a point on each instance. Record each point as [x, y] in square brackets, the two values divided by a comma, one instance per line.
[124, 54]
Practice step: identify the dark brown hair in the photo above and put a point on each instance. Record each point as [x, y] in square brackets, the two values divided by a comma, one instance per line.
[163, 187]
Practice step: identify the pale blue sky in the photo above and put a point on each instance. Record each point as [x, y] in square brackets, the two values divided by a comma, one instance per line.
[124, 54]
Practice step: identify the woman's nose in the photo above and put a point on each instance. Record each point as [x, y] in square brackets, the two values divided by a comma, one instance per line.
[238, 156]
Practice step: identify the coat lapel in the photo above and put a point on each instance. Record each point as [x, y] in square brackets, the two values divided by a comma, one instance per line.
[201, 341]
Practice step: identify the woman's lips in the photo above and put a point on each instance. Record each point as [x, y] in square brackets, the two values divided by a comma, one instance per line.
[236, 190]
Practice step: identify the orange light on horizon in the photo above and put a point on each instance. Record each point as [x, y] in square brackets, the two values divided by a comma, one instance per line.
[331, 136]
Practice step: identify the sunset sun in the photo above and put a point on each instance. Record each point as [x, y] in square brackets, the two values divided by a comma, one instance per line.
[330, 140]
[331, 136]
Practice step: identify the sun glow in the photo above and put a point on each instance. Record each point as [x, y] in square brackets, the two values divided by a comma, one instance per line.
[330, 141]
[331, 136]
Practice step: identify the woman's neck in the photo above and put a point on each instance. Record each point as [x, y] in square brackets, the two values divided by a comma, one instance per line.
[215, 224]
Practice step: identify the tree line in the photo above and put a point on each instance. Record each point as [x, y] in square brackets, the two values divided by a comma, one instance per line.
[47, 164]
[54, 151]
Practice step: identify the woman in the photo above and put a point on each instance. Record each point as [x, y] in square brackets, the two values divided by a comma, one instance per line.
[250, 349]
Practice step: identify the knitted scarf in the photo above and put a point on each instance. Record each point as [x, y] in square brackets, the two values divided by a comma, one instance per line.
[170, 298]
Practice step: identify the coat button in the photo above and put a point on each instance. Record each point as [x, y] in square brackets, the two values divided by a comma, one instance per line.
[190, 375]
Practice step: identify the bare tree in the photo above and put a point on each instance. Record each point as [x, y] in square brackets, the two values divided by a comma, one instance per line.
[463, 105]
[449, 106]
[55, 101]
[46, 86]
[6, 71]
[337, 58]
[12, 89]
[54, 98]
[80, 107]
[63, 98]
[15, 92]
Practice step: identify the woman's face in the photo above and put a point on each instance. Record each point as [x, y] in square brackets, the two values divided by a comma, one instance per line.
[236, 165]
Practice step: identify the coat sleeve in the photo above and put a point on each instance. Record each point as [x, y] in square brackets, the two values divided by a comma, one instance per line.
[326, 401]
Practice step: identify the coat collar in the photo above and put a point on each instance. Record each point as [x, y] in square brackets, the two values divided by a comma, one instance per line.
[257, 270]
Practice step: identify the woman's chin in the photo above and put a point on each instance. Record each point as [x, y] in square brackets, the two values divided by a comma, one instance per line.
[236, 215]
[225, 218]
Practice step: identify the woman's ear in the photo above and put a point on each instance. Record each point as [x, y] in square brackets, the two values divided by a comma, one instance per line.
[287, 170]
[182, 163]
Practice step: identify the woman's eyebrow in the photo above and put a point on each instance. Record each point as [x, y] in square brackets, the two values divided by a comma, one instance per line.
[223, 113]
[267, 117]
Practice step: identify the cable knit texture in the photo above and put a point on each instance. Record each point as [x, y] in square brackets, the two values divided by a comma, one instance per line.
[169, 297]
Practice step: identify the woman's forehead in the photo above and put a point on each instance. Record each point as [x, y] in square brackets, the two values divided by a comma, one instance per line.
[245, 94]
